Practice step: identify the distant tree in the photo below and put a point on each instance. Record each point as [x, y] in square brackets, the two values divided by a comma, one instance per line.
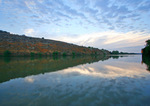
[73, 53]
[42, 37]
[24, 35]
[115, 52]
[39, 54]
[32, 54]
[7, 53]
[55, 53]
[95, 53]
[146, 50]
[148, 43]
[64, 54]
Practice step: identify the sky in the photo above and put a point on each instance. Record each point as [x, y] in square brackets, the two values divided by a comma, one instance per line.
[109, 24]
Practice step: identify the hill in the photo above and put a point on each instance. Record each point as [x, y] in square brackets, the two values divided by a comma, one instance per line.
[22, 45]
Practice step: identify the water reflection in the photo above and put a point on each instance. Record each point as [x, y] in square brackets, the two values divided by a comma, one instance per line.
[111, 82]
[11, 68]
[146, 60]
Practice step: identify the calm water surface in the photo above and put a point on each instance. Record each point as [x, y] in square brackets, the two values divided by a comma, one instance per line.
[74, 81]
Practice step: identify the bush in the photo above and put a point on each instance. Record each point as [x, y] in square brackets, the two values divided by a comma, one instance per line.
[64, 54]
[7, 53]
[146, 51]
[55, 53]
[39, 54]
[115, 52]
[95, 53]
[78, 54]
[32, 54]
[73, 53]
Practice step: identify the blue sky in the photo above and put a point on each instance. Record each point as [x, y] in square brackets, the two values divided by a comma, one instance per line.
[110, 24]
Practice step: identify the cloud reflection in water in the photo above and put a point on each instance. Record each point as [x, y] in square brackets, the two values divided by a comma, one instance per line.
[103, 83]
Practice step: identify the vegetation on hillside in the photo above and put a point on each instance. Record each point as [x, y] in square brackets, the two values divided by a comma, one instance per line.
[21, 45]
[117, 52]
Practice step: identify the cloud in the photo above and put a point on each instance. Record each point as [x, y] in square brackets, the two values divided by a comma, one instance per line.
[29, 79]
[29, 31]
[92, 20]
[102, 4]
[60, 14]
[73, 12]
[35, 16]
[136, 49]
[98, 13]
[145, 7]
[30, 4]
[109, 39]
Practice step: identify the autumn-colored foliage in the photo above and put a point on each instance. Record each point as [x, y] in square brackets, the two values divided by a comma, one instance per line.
[23, 45]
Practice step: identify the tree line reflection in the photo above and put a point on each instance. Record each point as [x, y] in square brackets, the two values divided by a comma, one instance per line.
[14, 67]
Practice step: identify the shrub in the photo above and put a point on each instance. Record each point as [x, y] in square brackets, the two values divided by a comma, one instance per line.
[78, 54]
[64, 54]
[73, 53]
[32, 54]
[95, 53]
[84, 50]
[39, 54]
[115, 52]
[7, 53]
[55, 53]
[146, 50]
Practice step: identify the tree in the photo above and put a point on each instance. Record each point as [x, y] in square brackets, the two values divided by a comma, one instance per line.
[55, 53]
[146, 50]
[7, 53]
[115, 52]
[32, 54]
[148, 43]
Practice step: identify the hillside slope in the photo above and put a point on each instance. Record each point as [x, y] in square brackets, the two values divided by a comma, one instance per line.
[24, 46]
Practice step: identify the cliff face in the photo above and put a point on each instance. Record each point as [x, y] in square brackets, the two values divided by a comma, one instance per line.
[23, 45]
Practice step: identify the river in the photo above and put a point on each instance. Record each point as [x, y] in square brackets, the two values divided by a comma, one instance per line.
[74, 81]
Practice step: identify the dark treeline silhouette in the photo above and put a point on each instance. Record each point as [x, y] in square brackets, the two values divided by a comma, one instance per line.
[146, 54]
[146, 50]
[117, 52]
[146, 60]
